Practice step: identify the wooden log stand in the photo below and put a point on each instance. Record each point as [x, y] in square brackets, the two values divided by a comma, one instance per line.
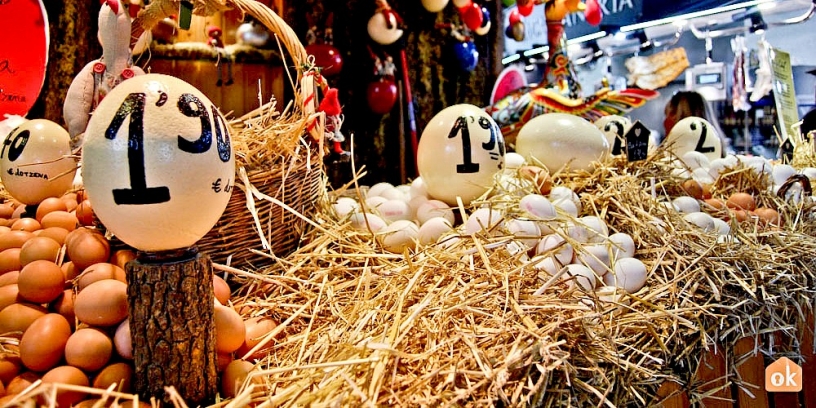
[170, 298]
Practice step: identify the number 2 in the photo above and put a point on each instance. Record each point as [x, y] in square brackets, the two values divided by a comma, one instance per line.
[701, 141]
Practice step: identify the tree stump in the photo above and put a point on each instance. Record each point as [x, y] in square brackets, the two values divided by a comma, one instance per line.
[170, 300]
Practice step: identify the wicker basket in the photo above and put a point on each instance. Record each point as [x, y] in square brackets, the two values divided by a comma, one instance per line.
[273, 199]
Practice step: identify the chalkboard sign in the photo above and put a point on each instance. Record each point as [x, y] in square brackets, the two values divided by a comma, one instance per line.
[637, 142]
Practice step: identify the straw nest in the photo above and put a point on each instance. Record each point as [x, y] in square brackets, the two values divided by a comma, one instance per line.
[471, 323]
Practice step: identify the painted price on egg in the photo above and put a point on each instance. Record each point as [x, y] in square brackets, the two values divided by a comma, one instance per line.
[461, 127]
[188, 105]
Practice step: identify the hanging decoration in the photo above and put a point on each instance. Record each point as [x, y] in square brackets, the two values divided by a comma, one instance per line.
[558, 90]
[223, 57]
[382, 92]
[320, 44]
[434, 6]
[383, 26]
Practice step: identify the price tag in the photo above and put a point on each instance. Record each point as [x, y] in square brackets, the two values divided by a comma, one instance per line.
[637, 142]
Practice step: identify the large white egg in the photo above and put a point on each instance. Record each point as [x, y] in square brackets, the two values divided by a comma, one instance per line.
[694, 134]
[614, 128]
[622, 245]
[158, 163]
[460, 151]
[558, 139]
[35, 162]
[399, 236]
[485, 220]
[555, 245]
[433, 229]
[627, 273]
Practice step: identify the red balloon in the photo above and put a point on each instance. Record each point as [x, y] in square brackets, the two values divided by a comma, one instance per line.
[381, 95]
[326, 57]
[23, 56]
[472, 16]
[525, 9]
[593, 12]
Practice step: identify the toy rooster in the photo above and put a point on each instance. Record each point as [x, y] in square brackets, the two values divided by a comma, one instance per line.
[100, 76]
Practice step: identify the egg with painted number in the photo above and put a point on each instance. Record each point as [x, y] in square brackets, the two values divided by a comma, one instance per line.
[460, 151]
[158, 163]
[35, 161]
[694, 134]
[558, 140]
[614, 127]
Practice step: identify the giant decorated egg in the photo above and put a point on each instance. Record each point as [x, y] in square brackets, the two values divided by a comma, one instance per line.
[459, 152]
[614, 127]
[694, 134]
[558, 139]
[158, 163]
[36, 161]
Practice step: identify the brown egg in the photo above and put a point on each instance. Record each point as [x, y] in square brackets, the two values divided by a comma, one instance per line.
[39, 248]
[14, 239]
[109, 402]
[41, 281]
[64, 305]
[19, 210]
[768, 216]
[86, 249]
[234, 376]
[84, 213]
[18, 317]
[121, 257]
[49, 205]
[256, 330]
[741, 215]
[742, 201]
[10, 260]
[62, 219]
[70, 200]
[122, 340]
[693, 188]
[221, 289]
[26, 224]
[4, 229]
[116, 373]
[229, 329]
[707, 191]
[10, 365]
[6, 210]
[9, 295]
[539, 176]
[222, 360]
[102, 303]
[70, 376]
[70, 271]
[88, 349]
[43, 344]
[56, 233]
[9, 277]
[22, 381]
[99, 271]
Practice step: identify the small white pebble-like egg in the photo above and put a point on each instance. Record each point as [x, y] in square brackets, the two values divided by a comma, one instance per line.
[364, 221]
[695, 160]
[374, 203]
[701, 220]
[597, 231]
[415, 202]
[577, 232]
[580, 275]
[680, 173]
[568, 206]
[760, 165]
[418, 188]
[345, 206]
[702, 176]
[622, 245]
[537, 206]
[548, 264]
[595, 257]
[399, 236]
[405, 189]
[393, 210]
[721, 226]
[546, 227]
[525, 231]
[433, 229]
[810, 172]
[557, 246]
[782, 172]
[377, 189]
[393, 194]
[513, 160]
[731, 160]
[627, 273]
[686, 204]
[717, 167]
[562, 192]
[669, 205]
[484, 220]
[434, 208]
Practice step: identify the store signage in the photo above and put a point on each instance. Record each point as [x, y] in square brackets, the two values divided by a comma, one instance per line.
[23, 54]
[784, 92]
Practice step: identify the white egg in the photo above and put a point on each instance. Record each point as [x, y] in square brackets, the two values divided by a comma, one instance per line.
[597, 231]
[575, 231]
[418, 188]
[373, 203]
[415, 202]
[627, 273]
[513, 160]
[701, 220]
[557, 246]
[393, 194]
[399, 236]
[345, 206]
[566, 205]
[377, 189]
[759, 164]
[686, 204]
[433, 229]
[485, 220]
[405, 189]
[526, 231]
[393, 210]
[623, 246]
[548, 264]
[718, 166]
[537, 206]
[434, 208]
[810, 172]
[561, 192]
[695, 160]
[721, 226]
[782, 172]
[580, 275]
[595, 257]
[364, 221]
[513, 184]
[702, 176]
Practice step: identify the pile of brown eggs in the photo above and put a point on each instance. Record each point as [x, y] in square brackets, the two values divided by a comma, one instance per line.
[64, 309]
[740, 206]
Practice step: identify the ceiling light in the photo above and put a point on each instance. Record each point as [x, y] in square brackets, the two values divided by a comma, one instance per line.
[696, 14]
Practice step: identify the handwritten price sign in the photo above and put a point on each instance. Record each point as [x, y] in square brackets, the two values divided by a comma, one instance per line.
[158, 163]
[23, 54]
